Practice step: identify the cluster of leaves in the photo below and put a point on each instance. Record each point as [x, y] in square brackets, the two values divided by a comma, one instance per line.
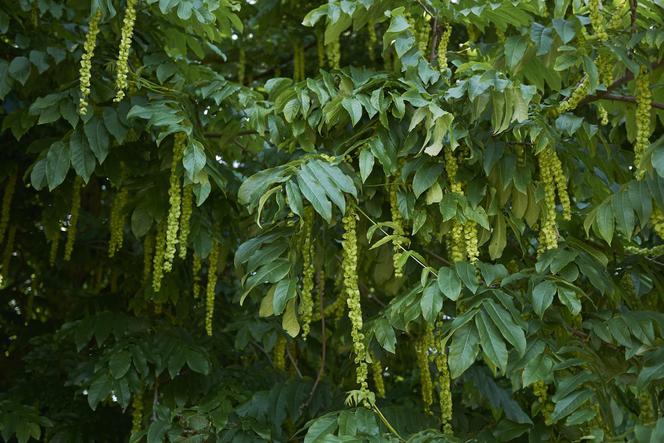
[564, 344]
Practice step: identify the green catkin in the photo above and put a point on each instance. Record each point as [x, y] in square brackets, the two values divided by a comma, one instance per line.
[643, 108]
[55, 241]
[620, 11]
[444, 386]
[541, 392]
[196, 275]
[471, 241]
[657, 222]
[352, 292]
[185, 219]
[320, 50]
[279, 353]
[174, 198]
[213, 261]
[122, 65]
[458, 242]
[334, 54]
[372, 41]
[377, 375]
[580, 92]
[7, 196]
[605, 68]
[647, 413]
[422, 347]
[655, 251]
[148, 250]
[116, 221]
[158, 259]
[603, 115]
[241, 66]
[597, 21]
[561, 183]
[423, 35]
[500, 35]
[73, 220]
[442, 47]
[397, 220]
[86, 61]
[306, 299]
[7, 255]
[137, 414]
[549, 233]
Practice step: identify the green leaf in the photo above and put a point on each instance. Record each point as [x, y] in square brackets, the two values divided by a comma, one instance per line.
[543, 296]
[515, 48]
[491, 342]
[198, 362]
[354, 109]
[19, 69]
[538, 368]
[57, 164]
[366, 163]
[449, 283]
[194, 159]
[119, 363]
[315, 194]
[463, 350]
[605, 222]
[99, 389]
[385, 335]
[505, 323]
[98, 139]
[289, 320]
[284, 291]
[431, 303]
[466, 272]
[542, 37]
[82, 158]
[320, 429]
[425, 177]
[565, 29]
[569, 404]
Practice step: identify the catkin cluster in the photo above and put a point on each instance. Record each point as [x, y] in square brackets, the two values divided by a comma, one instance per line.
[352, 292]
[298, 62]
[422, 347]
[137, 414]
[73, 220]
[657, 222]
[117, 221]
[306, 299]
[554, 181]
[158, 259]
[597, 21]
[397, 220]
[580, 92]
[643, 107]
[333, 50]
[213, 261]
[7, 196]
[185, 218]
[279, 353]
[122, 66]
[647, 413]
[377, 375]
[148, 250]
[541, 392]
[86, 61]
[175, 199]
[196, 275]
[442, 46]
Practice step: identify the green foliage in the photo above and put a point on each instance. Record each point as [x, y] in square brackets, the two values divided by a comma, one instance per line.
[486, 176]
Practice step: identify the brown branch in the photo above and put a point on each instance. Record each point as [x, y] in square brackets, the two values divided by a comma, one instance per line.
[620, 98]
[632, 8]
[434, 39]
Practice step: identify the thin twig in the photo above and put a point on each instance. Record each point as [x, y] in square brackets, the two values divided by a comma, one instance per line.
[620, 98]
[293, 362]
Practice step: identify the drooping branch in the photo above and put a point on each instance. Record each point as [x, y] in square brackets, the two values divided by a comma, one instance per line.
[620, 98]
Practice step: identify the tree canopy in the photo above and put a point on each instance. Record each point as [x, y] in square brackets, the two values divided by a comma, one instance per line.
[342, 221]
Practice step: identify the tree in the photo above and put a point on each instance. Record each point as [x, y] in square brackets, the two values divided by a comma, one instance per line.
[360, 220]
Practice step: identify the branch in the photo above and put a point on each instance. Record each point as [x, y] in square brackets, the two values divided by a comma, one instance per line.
[620, 98]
